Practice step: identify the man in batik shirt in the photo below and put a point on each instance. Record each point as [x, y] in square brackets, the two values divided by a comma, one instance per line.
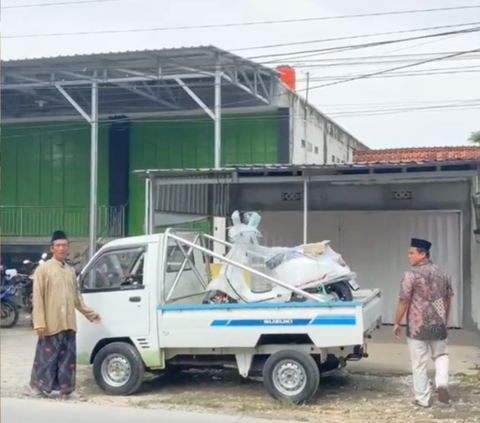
[425, 296]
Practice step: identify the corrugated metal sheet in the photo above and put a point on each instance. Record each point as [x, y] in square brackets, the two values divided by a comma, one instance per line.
[374, 245]
[139, 59]
[48, 164]
[314, 168]
[203, 200]
[475, 274]
[475, 258]
[186, 144]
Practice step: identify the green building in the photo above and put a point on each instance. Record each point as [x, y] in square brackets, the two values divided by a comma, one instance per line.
[174, 108]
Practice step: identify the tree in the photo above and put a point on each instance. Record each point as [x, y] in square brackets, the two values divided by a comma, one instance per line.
[474, 137]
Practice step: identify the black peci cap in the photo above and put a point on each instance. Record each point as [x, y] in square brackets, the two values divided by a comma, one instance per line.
[421, 243]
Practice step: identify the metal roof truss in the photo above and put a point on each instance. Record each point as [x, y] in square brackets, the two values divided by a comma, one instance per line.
[155, 86]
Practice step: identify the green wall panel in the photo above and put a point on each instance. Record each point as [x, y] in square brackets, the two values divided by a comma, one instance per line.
[185, 143]
[46, 169]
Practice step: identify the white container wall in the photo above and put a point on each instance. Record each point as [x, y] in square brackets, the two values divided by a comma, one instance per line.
[475, 273]
[375, 245]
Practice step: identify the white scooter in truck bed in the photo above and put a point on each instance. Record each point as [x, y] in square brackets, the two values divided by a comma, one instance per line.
[150, 292]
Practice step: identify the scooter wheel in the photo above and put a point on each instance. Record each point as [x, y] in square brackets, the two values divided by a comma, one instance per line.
[10, 314]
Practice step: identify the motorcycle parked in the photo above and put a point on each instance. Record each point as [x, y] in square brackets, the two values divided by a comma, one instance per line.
[27, 282]
[9, 308]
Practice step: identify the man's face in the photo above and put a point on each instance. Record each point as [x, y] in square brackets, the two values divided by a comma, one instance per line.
[415, 256]
[59, 249]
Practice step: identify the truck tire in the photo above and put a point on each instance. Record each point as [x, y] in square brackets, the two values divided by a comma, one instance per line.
[118, 369]
[291, 375]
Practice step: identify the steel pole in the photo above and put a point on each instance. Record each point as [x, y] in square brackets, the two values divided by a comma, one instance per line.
[305, 210]
[218, 116]
[92, 241]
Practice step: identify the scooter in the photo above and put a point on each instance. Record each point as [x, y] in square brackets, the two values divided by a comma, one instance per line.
[314, 268]
[27, 281]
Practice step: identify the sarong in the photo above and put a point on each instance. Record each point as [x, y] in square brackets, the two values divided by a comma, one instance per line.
[54, 365]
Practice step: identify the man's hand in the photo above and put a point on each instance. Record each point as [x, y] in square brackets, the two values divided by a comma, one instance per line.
[40, 332]
[97, 320]
[396, 331]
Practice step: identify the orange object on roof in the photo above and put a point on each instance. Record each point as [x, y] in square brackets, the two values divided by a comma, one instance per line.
[288, 76]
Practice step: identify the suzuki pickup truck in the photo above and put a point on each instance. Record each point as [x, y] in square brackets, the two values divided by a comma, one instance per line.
[151, 294]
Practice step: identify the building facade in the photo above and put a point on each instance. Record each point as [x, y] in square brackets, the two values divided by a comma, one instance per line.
[46, 152]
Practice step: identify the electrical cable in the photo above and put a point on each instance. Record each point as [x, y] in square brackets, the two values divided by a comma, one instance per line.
[63, 3]
[316, 52]
[352, 37]
[242, 24]
[369, 75]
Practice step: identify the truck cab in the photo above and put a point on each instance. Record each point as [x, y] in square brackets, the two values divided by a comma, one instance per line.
[150, 292]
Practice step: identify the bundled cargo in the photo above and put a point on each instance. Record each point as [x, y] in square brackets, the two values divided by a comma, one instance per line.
[314, 268]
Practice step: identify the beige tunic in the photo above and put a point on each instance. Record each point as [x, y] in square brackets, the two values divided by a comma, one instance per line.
[55, 298]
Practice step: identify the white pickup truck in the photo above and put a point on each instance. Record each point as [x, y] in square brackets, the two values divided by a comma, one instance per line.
[150, 292]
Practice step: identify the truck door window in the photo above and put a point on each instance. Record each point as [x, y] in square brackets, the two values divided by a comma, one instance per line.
[114, 270]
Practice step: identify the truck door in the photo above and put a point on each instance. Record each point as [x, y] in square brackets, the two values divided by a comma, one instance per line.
[113, 286]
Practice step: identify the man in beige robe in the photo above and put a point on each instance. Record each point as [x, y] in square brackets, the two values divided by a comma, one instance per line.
[55, 299]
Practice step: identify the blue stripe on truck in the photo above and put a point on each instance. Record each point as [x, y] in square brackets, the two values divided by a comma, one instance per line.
[234, 306]
[348, 320]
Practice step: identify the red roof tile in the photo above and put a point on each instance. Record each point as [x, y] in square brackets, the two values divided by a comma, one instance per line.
[421, 154]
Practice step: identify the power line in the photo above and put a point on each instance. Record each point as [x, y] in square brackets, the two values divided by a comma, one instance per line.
[422, 62]
[466, 105]
[352, 37]
[366, 45]
[274, 58]
[242, 24]
[63, 3]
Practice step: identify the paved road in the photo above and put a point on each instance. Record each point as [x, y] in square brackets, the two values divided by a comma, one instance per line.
[48, 411]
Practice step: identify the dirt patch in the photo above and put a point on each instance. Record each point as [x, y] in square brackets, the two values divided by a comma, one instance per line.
[342, 397]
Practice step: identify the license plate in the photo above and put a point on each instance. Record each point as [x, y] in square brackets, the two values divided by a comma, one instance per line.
[354, 285]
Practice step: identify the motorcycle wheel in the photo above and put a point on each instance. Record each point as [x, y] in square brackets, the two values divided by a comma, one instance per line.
[10, 314]
[340, 290]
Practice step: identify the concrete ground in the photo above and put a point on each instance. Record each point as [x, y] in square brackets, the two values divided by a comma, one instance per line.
[377, 389]
[390, 356]
[20, 411]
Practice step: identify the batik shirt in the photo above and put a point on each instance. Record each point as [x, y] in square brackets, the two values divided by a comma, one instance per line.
[427, 289]
[56, 297]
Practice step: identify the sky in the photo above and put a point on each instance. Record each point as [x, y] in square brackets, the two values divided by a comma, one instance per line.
[393, 111]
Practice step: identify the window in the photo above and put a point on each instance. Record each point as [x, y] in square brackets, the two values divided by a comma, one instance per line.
[316, 150]
[303, 143]
[116, 270]
[175, 258]
[333, 159]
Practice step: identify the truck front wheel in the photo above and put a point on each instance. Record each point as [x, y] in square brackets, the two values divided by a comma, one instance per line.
[118, 369]
[291, 375]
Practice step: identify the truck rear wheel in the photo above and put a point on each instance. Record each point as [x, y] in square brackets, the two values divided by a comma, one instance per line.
[291, 375]
[118, 369]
